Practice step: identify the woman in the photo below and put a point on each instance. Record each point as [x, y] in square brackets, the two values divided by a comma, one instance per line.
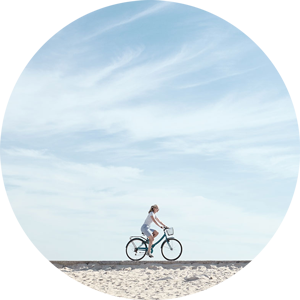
[146, 226]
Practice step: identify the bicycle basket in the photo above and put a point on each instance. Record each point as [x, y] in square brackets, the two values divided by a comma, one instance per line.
[170, 231]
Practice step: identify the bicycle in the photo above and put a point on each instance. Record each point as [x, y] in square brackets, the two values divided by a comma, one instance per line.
[171, 248]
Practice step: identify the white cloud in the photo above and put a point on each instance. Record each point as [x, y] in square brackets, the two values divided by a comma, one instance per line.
[231, 113]
[193, 131]
[199, 131]
[30, 153]
[262, 150]
[277, 161]
[65, 179]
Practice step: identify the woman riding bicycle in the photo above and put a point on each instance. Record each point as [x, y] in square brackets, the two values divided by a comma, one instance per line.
[151, 233]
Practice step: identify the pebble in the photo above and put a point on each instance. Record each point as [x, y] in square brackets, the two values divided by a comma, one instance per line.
[165, 278]
[191, 278]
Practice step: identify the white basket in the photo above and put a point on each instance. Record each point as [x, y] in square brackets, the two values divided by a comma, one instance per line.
[170, 231]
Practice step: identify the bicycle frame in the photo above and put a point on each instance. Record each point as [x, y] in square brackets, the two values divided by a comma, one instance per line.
[152, 247]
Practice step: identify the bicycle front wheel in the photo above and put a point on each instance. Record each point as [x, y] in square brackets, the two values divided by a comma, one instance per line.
[136, 249]
[172, 249]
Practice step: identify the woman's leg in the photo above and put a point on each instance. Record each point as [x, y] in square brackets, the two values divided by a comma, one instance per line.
[151, 239]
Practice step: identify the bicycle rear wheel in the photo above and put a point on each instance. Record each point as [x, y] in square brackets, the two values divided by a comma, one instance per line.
[171, 250]
[136, 249]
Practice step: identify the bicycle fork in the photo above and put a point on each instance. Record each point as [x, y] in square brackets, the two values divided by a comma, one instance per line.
[169, 245]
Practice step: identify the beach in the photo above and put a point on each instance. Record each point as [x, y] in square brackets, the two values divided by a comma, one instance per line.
[151, 279]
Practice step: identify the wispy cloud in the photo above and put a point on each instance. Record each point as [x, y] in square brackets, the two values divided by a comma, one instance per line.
[55, 175]
[224, 115]
[214, 79]
[279, 161]
[91, 78]
[30, 153]
[149, 11]
[72, 102]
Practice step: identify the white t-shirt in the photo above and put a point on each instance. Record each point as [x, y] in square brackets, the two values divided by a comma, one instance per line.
[149, 220]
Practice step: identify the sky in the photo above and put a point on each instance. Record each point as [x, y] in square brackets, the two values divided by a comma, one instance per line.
[146, 103]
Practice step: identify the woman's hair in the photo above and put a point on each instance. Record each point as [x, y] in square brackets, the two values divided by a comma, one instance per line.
[152, 208]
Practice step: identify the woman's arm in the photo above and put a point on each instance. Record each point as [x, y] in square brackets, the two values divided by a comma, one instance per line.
[161, 222]
[155, 221]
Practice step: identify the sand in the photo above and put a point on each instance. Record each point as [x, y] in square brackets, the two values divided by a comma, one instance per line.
[151, 280]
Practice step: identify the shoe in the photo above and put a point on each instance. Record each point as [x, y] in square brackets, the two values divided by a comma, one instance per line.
[149, 254]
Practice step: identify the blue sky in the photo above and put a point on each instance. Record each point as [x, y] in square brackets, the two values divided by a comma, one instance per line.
[142, 103]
